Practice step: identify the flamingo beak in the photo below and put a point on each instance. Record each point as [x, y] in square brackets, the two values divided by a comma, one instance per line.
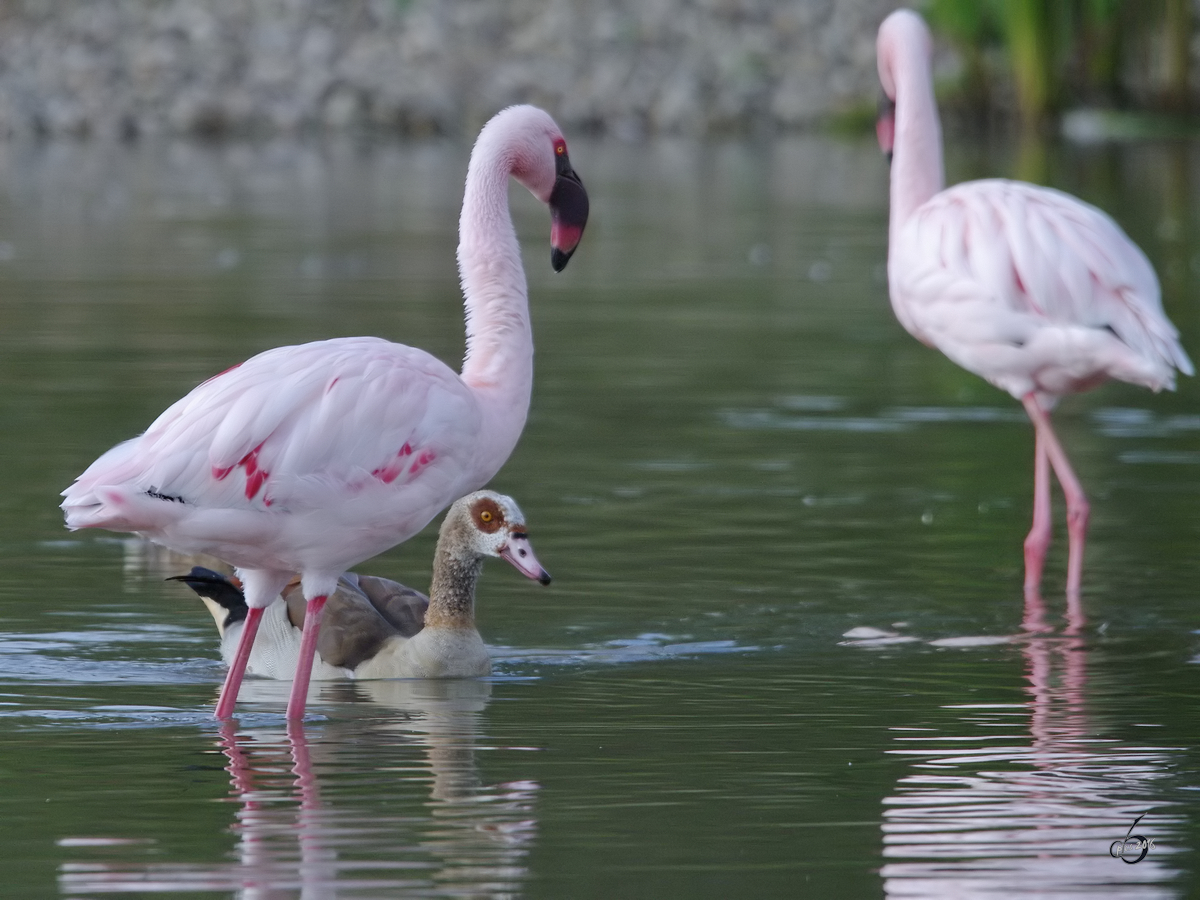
[885, 126]
[568, 212]
[518, 552]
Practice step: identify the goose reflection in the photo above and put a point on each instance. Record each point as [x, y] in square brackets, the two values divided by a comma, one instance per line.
[349, 808]
[1028, 800]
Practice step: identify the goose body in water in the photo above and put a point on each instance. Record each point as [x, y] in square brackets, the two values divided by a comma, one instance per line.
[376, 628]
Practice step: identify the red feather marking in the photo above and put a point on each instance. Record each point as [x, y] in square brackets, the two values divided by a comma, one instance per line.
[387, 474]
[255, 481]
[426, 457]
[255, 477]
[221, 474]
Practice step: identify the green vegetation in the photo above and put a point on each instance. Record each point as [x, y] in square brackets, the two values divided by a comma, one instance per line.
[1041, 56]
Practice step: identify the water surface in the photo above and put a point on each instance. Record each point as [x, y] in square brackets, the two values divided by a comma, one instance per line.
[784, 651]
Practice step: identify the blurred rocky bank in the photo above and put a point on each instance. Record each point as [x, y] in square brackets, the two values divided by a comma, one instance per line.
[128, 68]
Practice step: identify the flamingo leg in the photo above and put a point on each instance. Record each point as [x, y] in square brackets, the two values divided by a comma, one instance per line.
[308, 651]
[237, 669]
[1034, 620]
[1078, 509]
[1037, 542]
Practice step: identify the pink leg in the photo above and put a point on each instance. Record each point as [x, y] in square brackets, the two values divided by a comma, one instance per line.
[1037, 542]
[1077, 504]
[237, 669]
[308, 650]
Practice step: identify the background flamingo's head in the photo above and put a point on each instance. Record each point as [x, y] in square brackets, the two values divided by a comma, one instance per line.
[885, 126]
[902, 35]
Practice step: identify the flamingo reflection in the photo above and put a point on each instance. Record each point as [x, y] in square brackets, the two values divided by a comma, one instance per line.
[303, 823]
[1028, 800]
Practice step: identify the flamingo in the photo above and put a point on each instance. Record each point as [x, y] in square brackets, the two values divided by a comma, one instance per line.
[1030, 288]
[377, 628]
[309, 459]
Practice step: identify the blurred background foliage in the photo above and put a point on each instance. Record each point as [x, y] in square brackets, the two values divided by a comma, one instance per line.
[1036, 58]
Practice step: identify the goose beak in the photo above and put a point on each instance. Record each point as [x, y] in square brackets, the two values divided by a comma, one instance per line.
[518, 552]
[568, 212]
[885, 126]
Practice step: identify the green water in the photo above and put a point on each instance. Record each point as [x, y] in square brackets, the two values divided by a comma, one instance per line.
[735, 456]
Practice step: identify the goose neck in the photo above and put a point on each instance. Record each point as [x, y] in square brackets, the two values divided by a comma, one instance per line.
[452, 592]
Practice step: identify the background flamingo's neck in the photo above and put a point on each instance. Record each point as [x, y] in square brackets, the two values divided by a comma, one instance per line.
[499, 351]
[917, 157]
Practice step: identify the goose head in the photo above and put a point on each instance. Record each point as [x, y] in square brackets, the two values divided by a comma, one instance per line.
[486, 524]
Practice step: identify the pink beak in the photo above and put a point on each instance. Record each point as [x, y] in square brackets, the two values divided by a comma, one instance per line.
[519, 553]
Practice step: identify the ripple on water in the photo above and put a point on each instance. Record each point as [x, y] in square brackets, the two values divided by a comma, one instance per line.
[821, 416]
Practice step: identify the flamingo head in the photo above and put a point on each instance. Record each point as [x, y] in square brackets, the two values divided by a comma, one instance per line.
[535, 151]
[568, 208]
[489, 524]
[902, 34]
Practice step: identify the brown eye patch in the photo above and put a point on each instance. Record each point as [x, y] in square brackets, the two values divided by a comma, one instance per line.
[487, 515]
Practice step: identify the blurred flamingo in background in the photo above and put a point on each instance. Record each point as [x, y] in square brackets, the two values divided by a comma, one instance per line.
[309, 459]
[1027, 287]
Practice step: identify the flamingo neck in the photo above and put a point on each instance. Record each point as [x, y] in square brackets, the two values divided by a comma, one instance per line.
[498, 364]
[452, 591]
[917, 150]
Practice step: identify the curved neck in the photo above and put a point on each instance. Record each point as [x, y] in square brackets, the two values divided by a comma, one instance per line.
[452, 591]
[499, 358]
[917, 151]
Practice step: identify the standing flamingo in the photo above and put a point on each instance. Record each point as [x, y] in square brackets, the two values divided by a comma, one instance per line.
[309, 459]
[1027, 287]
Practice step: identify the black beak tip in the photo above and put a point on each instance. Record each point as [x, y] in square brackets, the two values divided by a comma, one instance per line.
[559, 258]
[544, 578]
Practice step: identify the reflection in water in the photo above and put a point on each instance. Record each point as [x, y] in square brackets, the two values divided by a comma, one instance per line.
[991, 813]
[299, 828]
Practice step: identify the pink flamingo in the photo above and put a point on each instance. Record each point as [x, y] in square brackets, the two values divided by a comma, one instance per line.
[1027, 287]
[310, 459]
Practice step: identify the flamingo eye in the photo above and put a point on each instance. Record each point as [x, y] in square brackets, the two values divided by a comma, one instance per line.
[560, 147]
[485, 516]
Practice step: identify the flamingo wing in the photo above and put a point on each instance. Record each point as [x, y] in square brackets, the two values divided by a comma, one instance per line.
[1032, 289]
[291, 430]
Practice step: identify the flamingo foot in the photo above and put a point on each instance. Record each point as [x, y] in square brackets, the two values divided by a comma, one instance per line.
[1076, 620]
[1034, 620]
[237, 669]
[1038, 540]
[1036, 545]
[1078, 513]
[308, 651]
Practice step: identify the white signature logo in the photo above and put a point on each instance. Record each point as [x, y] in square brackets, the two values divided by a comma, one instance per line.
[1132, 843]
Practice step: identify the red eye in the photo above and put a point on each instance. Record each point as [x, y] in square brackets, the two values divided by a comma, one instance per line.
[560, 147]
